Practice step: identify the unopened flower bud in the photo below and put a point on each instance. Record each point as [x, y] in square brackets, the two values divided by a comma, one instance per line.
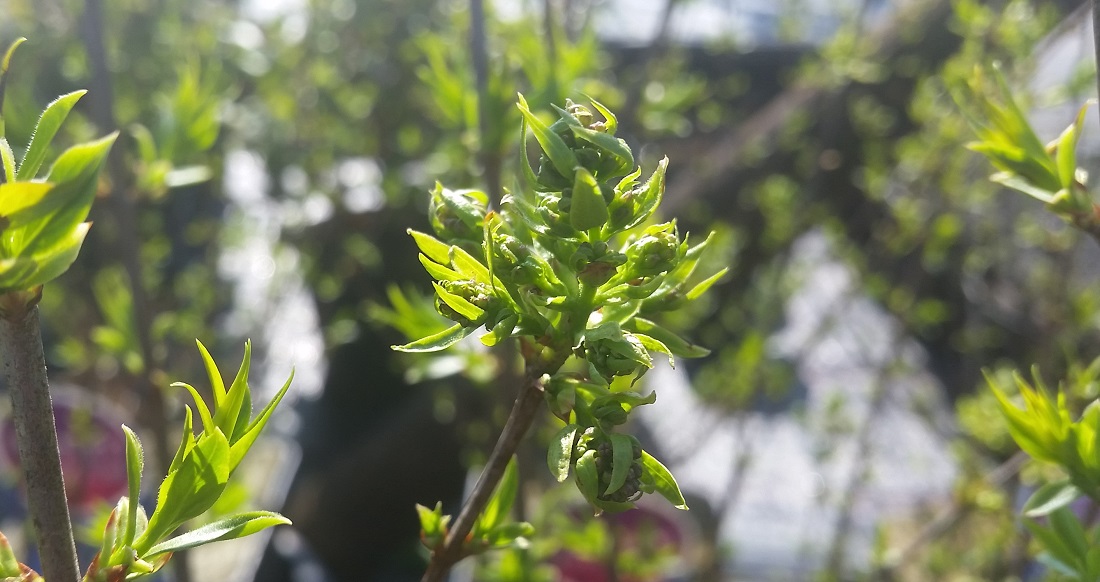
[655, 253]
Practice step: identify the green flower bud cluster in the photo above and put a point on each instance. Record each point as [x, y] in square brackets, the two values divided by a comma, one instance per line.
[613, 352]
[571, 264]
[656, 252]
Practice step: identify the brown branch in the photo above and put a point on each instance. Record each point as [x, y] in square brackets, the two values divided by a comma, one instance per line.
[519, 421]
[36, 435]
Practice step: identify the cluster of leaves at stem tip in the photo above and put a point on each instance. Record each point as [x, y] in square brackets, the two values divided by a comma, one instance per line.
[1005, 137]
[572, 265]
[136, 545]
[42, 218]
[1043, 427]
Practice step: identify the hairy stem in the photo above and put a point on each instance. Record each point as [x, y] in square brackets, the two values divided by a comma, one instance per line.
[36, 435]
[519, 421]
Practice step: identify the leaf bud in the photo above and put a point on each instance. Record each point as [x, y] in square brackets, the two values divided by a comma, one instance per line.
[656, 252]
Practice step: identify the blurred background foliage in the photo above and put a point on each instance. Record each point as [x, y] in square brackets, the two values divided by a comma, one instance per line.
[343, 114]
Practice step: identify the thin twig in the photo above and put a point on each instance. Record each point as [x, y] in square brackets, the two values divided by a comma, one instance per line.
[36, 435]
[519, 421]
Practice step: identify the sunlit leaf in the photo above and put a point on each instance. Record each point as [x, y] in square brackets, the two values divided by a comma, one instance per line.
[438, 341]
[48, 124]
[244, 441]
[229, 528]
[135, 462]
[588, 210]
[563, 159]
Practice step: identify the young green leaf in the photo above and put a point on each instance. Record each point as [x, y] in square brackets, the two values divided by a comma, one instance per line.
[234, 413]
[48, 124]
[1051, 497]
[529, 177]
[650, 195]
[705, 284]
[217, 385]
[655, 345]
[675, 344]
[135, 462]
[7, 158]
[589, 209]
[508, 534]
[204, 412]
[187, 439]
[244, 441]
[432, 247]
[622, 449]
[559, 455]
[503, 329]
[433, 524]
[468, 266]
[74, 175]
[664, 482]
[611, 123]
[612, 146]
[588, 477]
[563, 158]
[1064, 558]
[1069, 529]
[496, 510]
[459, 304]
[4, 63]
[438, 341]
[437, 271]
[229, 528]
[45, 264]
[9, 565]
[190, 490]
